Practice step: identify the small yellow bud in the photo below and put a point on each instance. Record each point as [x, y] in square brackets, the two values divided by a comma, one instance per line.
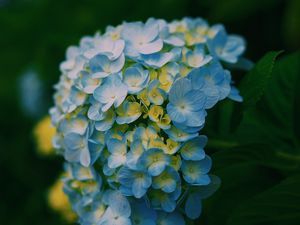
[155, 113]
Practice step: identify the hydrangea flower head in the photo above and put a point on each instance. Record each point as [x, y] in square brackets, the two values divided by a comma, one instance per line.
[129, 109]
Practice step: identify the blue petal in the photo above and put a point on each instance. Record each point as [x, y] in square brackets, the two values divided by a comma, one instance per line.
[168, 205]
[179, 89]
[151, 47]
[119, 204]
[157, 60]
[126, 176]
[156, 168]
[95, 150]
[73, 141]
[235, 95]
[202, 180]
[196, 119]
[85, 158]
[95, 113]
[175, 114]
[138, 189]
[193, 206]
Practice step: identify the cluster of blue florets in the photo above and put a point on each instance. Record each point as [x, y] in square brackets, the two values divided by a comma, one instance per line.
[128, 110]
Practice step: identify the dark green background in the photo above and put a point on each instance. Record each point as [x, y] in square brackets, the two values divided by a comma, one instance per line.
[257, 159]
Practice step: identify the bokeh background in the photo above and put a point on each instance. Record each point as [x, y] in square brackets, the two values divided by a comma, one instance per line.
[34, 35]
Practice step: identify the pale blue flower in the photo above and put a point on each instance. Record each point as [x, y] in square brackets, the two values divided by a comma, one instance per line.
[83, 148]
[103, 120]
[186, 104]
[226, 48]
[167, 180]
[112, 92]
[193, 149]
[77, 97]
[136, 78]
[82, 173]
[87, 42]
[141, 39]
[132, 157]
[74, 63]
[154, 160]
[179, 135]
[94, 112]
[191, 129]
[106, 122]
[96, 144]
[195, 23]
[133, 182]
[78, 124]
[101, 66]
[90, 184]
[144, 135]
[159, 59]
[92, 212]
[118, 211]
[168, 38]
[195, 172]
[197, 57]
[118, 150]
[213, 81]
[87, 82]
[107, 171]
[106, 46]
[113, 218]
[164, 201]
[193, 204]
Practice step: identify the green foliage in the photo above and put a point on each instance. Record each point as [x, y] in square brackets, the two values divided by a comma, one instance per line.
[275, 120]
[260, 170]
[276, 206]
[254, 84]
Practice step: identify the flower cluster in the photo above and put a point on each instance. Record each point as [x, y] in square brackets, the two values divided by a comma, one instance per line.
[128, 110]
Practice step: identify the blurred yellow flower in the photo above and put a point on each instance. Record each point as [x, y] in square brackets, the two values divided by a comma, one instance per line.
[59, 202]
[44, 133]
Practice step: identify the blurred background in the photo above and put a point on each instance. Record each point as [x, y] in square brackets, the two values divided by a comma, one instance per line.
[34, 35]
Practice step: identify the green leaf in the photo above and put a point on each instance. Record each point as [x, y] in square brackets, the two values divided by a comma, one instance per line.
[278, 205]
[275, 120]
[254, 84]
[260, 153]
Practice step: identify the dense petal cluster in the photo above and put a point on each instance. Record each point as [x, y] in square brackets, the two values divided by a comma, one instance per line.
[128, 110]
